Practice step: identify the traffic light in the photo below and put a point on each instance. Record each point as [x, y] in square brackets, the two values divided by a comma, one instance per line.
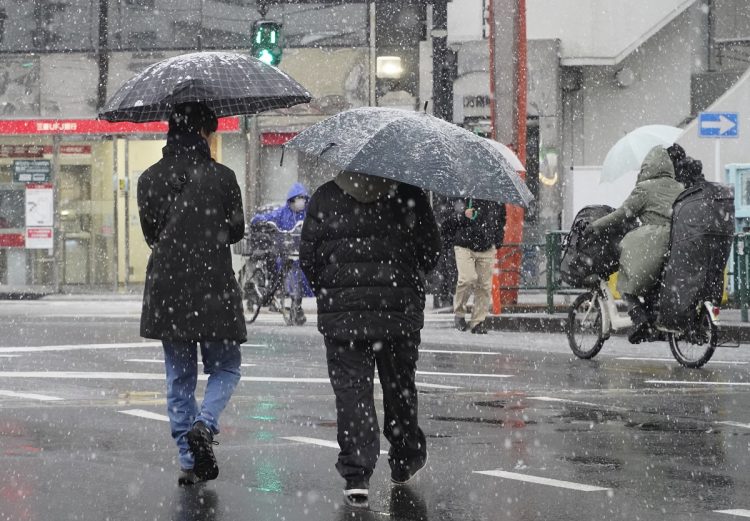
[267, 42]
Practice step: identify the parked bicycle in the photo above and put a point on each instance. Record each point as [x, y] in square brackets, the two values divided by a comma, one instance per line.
[271, 277]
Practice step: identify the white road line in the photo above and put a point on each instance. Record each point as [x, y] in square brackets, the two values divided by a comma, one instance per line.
[30, 396]
[687, 382]
[447, 351]
[316, 441]
[486, 375]
[157, 361]
[9, 356]
[734, 424]
[42, 349]
[541, 481]
[735, 512]
[78, 347]
[142, 413]
[95, 375]
[575, 402]
[436, 386]
[647, 359]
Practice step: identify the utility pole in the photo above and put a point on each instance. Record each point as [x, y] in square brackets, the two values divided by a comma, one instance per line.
[103, 54]
[508, 71]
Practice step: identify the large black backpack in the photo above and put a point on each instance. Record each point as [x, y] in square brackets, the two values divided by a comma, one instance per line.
[584, 261]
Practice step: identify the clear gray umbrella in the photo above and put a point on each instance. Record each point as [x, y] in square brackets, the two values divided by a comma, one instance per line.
[414, 148]
[228, 83]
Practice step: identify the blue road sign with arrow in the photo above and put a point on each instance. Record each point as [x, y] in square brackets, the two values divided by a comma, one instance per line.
[719, 124]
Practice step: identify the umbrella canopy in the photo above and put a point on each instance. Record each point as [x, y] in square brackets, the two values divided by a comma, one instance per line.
[509, 155]
[628, 153]
[414, 148]
[228, 83]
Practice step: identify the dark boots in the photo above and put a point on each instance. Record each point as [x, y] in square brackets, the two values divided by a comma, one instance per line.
[639, 316]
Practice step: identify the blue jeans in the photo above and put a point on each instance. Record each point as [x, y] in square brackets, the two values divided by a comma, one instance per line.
[221, 362]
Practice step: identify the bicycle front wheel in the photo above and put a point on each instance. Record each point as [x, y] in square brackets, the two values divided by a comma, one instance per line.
[585, 335]
[695, 348]
[256, 296]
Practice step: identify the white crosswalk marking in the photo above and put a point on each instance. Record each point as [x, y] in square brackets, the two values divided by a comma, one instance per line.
[734, 424]
[317, 441]
[142, 413]
[157, 361]
[30, 396]
[485, 375]
[735, 512]
[541, 481]
[688, 382]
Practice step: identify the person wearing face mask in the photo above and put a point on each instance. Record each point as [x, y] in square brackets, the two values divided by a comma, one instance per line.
[286, 218]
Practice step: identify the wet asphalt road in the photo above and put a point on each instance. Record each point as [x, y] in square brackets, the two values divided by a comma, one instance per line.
[517, 428]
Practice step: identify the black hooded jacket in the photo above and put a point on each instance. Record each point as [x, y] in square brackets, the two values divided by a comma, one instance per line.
[191, 211]
[479, 234]
[365, 248]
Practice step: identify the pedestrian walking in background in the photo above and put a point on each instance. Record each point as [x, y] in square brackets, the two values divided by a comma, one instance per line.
[477, 228]
[191, 211]
[366, 244]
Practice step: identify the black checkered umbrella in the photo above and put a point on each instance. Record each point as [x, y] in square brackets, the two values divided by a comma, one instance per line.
[229, 83]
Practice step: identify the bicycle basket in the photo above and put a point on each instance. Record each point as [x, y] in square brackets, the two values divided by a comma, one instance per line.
[583, 260]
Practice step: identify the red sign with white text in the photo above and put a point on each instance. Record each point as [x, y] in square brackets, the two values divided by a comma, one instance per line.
[96, 126]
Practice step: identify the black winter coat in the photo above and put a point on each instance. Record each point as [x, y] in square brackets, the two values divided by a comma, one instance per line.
[366, 261]
[478, 234]
[191, 211]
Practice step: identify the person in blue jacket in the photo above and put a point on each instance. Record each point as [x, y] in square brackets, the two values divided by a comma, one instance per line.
[291, 213]
[286, 217]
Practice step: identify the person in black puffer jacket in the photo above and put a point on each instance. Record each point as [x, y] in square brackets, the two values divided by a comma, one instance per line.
[366, 244]
[477, 228]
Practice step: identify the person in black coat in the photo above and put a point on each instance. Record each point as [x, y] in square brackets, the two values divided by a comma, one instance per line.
[190, 210]
[366, 245]
[477, 227]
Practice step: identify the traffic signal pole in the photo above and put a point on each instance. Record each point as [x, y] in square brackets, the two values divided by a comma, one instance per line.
[508, 91]
[442, 82]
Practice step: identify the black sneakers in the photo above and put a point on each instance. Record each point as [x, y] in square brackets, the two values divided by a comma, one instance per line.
[402, 475]
[479, 329]
[201, 441]
[187, 478]
[356, 494]
[460, 323]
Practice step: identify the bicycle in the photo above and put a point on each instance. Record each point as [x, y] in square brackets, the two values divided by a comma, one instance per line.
[593, 316]
[271, 277]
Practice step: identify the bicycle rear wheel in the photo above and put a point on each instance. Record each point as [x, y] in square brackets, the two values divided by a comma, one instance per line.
[585, 335]
[695, 348]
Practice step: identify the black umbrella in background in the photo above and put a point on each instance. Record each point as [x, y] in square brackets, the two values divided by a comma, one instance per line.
[414, 148]
[230, 84]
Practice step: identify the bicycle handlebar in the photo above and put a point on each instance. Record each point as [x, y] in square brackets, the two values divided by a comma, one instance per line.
[272, 226]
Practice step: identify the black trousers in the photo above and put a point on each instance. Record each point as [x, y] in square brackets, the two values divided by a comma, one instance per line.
[351, 367]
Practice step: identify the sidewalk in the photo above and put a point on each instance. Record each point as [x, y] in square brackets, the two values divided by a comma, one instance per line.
[529, 315]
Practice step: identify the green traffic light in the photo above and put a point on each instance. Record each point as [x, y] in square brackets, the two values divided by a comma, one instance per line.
[267, 42]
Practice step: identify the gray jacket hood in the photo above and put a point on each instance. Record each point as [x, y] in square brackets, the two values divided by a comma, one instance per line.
[363, 187]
